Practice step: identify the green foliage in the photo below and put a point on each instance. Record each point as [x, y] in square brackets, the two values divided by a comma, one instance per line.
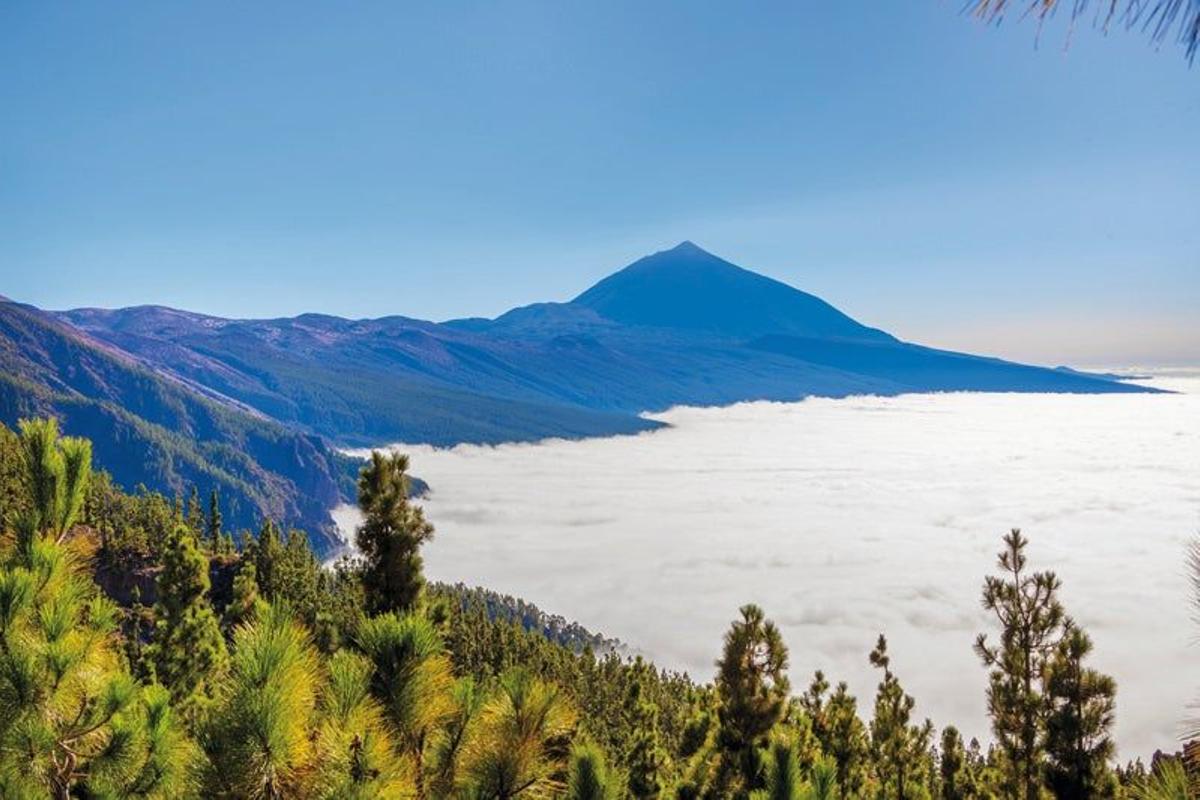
[646, 761]
[391, 535]
[187, 649]
[412, 680]
[1082, 707]
[213, 522]
[244, 603]
[752, 688]
[522, 740]
[1031, 621]
[589, 776]
[1169, 780]
[258, 737]
[72, 718]
[783, 779]
[840, 731]
[899, 748]
[822, 783]
[953, 767]
[57, 474]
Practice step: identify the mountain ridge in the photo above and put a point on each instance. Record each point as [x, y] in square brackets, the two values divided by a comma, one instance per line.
[678, 327]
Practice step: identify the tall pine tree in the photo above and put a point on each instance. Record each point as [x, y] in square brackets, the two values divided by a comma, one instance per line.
[213, 523]
[953, 767]
[390, 536]
[898, 746]
[188, 650]
[1031, 623]
[753, 689]
[646, 759]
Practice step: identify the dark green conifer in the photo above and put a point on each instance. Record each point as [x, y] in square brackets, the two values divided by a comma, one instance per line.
[645, 759]
[1031, 621]
[195, 513]
[846, 741]
[899, 747]
[242, 605]
[188, 650]
[752, 688]
[1082, 704]
[390, 536]
[213, 523]
[953, 768]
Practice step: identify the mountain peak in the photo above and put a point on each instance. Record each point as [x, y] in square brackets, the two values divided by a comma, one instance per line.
[689, 288]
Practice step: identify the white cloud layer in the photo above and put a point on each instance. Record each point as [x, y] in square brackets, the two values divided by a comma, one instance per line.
[847, 518]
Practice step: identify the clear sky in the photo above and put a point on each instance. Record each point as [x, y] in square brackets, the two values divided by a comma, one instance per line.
[948, 181]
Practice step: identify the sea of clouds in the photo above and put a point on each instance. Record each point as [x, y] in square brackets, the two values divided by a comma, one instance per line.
[848, 518]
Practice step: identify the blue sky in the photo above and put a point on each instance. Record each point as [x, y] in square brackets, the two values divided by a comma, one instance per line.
[949, 181]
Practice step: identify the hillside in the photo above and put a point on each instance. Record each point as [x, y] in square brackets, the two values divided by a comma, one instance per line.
[150, 429]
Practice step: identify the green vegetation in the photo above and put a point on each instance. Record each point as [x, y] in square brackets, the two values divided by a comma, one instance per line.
[142, 655]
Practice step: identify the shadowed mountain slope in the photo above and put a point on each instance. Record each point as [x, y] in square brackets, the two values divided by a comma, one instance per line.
[148, 428]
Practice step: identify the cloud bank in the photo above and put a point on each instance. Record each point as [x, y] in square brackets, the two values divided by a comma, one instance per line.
[847, 518]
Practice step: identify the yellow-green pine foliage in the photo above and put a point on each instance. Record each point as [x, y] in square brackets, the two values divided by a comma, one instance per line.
[259, 734]
[413, 682]
[522, 740]
[589, 776]
[73, 721]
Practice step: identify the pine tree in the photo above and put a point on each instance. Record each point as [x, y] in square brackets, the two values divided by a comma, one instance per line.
[266, 550]
[822, 780]
[195, 514]
[521, 741]
[57, 472]
[260, 735]
[355, 752]
[1031, 620]
[752, 687]
[1082, 703]
[242, 606]
[783, 779]
[213, 523]
[589, 777]
[188, 650]
[953, 767]
[412, 681]
[899, 747]
[74, 722]
[645, 759]
[840, 731]
[391, 535]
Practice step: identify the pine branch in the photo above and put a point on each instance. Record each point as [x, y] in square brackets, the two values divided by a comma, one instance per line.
[1160, 19]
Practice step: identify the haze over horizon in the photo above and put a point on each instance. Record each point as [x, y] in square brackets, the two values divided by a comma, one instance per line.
[950, 182]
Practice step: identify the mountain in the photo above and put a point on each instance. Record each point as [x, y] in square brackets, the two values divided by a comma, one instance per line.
[150, 428]
[691, 289]
[678, 327]
[256, 405]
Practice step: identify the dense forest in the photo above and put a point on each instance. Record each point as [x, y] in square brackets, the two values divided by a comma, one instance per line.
[148, 651]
